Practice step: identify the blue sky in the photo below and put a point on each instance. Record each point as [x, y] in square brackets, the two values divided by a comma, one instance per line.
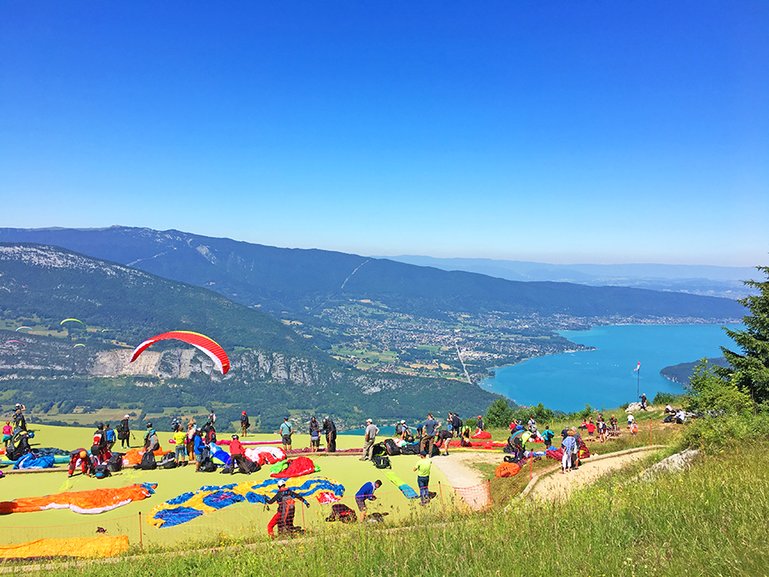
[560, 131]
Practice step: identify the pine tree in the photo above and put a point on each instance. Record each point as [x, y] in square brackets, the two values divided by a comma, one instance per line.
[749, 370]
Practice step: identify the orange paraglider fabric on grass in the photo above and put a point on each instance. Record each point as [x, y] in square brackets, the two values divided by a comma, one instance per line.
[507, 470]
[95, 547]
[84, 502]
[134, 456]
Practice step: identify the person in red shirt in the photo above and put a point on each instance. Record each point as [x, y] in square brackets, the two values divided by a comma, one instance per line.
[238, 456]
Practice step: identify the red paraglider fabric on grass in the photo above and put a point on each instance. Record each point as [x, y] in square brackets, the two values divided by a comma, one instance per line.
[296, 468]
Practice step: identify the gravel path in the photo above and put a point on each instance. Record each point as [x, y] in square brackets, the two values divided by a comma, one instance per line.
[467, 482]
[557, 486]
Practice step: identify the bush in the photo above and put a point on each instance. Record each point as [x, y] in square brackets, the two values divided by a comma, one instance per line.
[666, 399]
[499, 414]
[715, 396]
[726, 431]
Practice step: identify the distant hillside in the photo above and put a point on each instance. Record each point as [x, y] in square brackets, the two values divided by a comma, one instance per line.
[274, 370]
[720, 281]
[681, 373]
[302, 281]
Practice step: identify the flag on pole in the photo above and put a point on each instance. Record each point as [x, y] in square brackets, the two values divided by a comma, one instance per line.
[638, 367]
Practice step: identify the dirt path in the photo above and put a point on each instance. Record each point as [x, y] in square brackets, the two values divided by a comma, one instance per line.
[557, 486]
[467, 481]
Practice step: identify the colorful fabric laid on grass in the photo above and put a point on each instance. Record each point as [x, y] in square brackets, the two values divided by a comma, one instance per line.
[84, 502]
[326, 497]
[210, 498]
[30, 461]
[134, 456]
[298, 467]
[82, 547]
[556, 454]
[507, 470]
[250, 443]
[481, 435]
[407, 490]
[486, 445]
[266, 455]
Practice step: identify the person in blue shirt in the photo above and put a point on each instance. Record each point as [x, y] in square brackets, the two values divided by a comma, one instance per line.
[199, 448]
[547, 436]
[366, 493]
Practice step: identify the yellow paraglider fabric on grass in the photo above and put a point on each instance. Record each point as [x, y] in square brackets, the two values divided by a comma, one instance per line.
[85, 547]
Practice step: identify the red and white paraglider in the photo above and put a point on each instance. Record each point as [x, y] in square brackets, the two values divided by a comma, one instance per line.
[209, 346]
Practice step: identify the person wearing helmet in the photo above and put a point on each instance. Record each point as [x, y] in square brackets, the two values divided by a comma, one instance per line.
[284, 518]
[80, 457]
[245, 424]
[151, 442]
[124, 432]
[238, 459]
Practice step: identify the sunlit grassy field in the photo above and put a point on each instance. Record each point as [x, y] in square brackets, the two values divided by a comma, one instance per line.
[710, 520]
[239, 521]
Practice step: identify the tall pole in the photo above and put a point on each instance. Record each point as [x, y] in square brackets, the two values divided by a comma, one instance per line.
[638, 383]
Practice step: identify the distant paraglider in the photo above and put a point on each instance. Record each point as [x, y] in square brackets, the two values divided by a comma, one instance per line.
[210, 347]
[71, 320]
[23, 328]
[78, 345]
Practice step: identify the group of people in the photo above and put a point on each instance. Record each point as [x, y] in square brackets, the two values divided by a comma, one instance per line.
[327, 428]
[602, 428]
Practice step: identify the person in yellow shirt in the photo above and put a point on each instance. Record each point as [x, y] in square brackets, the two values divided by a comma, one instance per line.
[180, 438]
[423, 476]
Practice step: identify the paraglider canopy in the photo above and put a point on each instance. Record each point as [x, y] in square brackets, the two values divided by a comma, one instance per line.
[210, 347]
[71, 320]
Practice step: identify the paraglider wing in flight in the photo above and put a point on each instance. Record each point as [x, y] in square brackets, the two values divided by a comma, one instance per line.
[72, 320]
[209, 346]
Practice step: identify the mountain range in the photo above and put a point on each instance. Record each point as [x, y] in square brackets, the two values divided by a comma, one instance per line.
[308, 330]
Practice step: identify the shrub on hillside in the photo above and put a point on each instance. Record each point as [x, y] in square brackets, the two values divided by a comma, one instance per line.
[727, 430]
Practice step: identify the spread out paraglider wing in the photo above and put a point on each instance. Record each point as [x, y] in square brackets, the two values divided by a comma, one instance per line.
[209, 346]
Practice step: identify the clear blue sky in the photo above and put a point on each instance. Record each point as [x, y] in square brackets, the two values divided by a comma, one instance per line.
[553, 131]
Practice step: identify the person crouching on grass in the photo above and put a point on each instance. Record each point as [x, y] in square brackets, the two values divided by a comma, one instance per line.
[366, 492]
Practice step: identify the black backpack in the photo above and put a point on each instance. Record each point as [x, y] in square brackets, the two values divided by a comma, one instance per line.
[101, 471]
[391, 447]
[382, 462]
[248, 466]
[207, 466]
[115, 462]
[148, 461]
[168, 461]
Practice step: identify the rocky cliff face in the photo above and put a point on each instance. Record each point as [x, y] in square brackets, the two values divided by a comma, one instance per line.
[247, 366]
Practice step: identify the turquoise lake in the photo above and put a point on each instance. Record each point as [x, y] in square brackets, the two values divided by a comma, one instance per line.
[604, 377]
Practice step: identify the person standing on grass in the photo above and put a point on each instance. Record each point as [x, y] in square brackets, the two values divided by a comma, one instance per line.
[245, 424]
[568, 445]
[422, 468]
[428, 434]
[109, 435]
[601, 430]
[643, 401]
[366, 492]
[180, 448]
[124, 432]
[547, 436]
[286, 430]
[284, 518]
[314, 435]
[369, 438]
[329, 429]
[479, 424]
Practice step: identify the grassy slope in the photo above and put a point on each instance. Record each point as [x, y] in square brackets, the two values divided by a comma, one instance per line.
[706, 521]
[239, 521]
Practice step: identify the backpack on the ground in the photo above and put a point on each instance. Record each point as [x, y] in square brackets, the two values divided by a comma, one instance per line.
[207, 466]
[412, 449]
[391, 447]
[436, 451]
[148, 462]
[382, 462]
[101, 471]
[378, 450]
[248, 466]
[343, 513]
[168, 461]
[115, 462]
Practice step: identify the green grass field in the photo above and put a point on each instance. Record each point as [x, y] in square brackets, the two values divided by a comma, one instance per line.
[709, 520]
[240, 521]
